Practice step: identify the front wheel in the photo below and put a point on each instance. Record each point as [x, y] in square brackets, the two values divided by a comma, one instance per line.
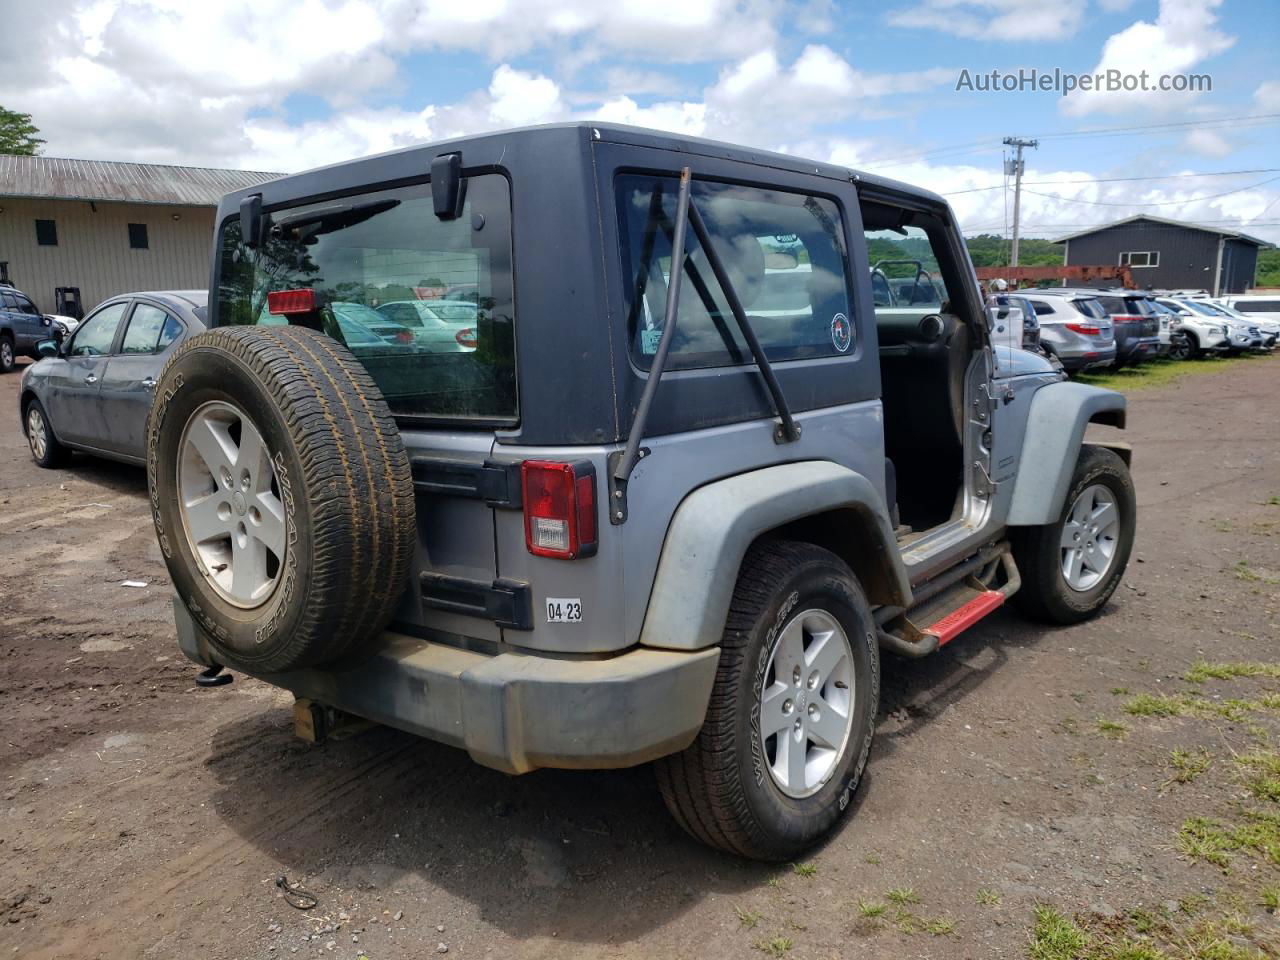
[1181, 348]
[1070, 568]
[8, 359]
[789, 726]
[46, 451]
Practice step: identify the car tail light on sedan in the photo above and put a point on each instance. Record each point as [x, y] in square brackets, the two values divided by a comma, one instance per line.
[1088, 329]
[559, 508]
[466, 338]
[404, 336]
[283, 303]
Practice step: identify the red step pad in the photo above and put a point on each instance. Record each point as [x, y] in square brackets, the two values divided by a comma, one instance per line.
[962, 618]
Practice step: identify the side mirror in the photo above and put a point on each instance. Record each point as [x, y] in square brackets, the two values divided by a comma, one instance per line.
[47, 348]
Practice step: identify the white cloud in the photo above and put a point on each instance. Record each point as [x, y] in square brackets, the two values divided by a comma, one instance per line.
[1267, 96]
[1184, 35]
[1208, 142]
[1019, 20]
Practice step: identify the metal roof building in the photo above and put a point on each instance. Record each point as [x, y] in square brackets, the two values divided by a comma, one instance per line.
[106, 228]
[1169, 254]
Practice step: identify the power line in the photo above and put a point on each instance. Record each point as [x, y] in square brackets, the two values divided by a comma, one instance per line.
[1152, 203]
[1257, 119]
[1247, 120]
[1170, 176]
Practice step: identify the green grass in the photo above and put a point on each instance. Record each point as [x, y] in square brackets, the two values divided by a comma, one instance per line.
[775, 947]
[1156, 705]
[804, 869]
[1269, 899]
[987, 898]
[902, 896]
[871, 858]
[1157, 373]
[1110, 728]
[1119, 691]
[1203, 838]
[870, 909]
[746, 917]
[1187, 765]
[1261, 774]
[940, 927]
[1202, 670]
[1055, 937]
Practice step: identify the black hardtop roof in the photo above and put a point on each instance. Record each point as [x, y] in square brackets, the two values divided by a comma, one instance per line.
[490, 149]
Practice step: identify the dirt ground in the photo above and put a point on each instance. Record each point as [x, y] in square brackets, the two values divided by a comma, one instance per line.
[141, 817]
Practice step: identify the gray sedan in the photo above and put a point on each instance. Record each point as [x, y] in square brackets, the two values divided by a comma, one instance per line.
[94, 391]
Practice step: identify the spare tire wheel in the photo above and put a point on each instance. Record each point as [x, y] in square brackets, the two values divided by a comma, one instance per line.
[281, 494]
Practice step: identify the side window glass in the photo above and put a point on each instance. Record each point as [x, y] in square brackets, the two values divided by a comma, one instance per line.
[144, 330]
[7, 301]
[784, 253]
[26, 306]
[906, 278]
[170, 332]
[95, 336]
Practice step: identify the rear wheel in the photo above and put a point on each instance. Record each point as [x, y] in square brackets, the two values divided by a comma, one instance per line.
[1071, 567]
[8, 360]
[792, 713]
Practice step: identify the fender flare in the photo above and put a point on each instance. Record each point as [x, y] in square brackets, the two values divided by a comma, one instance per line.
[1051, 445]
[715, 524]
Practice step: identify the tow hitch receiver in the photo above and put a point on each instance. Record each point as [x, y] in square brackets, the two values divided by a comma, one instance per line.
[315, 722]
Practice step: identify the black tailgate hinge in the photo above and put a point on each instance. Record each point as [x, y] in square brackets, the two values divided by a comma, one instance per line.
[495, 482]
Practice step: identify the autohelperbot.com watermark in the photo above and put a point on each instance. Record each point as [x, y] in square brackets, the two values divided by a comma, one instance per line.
[1033, 80]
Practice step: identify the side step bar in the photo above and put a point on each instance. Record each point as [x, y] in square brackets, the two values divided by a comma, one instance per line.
[947, 609]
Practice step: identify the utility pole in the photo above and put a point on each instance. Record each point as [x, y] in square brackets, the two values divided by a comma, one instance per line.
[1014, 166]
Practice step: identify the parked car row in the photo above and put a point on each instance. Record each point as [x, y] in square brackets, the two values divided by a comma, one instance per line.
[1085, 328]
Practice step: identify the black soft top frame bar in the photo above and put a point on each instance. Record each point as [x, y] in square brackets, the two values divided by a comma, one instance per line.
[623, 463]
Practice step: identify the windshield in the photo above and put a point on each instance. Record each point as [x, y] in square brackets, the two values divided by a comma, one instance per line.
[362, 253]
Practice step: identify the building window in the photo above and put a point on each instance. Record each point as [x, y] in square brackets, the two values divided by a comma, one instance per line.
[137, 236]
[46, 233]
[1140, 258]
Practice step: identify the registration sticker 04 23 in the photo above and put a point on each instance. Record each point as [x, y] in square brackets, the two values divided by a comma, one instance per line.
[564, 609]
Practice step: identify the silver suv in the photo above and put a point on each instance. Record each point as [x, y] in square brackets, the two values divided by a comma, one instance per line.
[665, 510]
[1074, 328]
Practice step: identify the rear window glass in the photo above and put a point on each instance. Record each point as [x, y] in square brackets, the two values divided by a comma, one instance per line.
[784, 252]
[1090, 308]
[1258, 306]
[371, 256]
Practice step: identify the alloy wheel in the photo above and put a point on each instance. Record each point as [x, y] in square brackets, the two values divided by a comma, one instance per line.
[230, 504]
[1089, 538]
[36, 435]
[807, 703]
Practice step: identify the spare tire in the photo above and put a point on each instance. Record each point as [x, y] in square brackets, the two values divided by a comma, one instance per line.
[281, 494]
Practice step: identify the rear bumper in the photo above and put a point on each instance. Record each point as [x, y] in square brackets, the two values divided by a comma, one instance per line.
[514, 711]
[1086, 360]
[1139, 348]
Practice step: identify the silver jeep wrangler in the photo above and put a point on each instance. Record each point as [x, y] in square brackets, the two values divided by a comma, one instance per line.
[587, 446]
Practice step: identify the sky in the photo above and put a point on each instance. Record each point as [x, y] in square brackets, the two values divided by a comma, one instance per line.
[285, 85]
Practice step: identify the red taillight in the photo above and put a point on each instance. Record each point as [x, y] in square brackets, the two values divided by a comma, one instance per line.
[1126, 318]
[559, 508]
[404, 336]
[466, 338]
[1085, 328]
[285, 302]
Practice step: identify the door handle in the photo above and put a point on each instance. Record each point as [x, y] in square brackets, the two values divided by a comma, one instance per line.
[149, 383]
[91, 378]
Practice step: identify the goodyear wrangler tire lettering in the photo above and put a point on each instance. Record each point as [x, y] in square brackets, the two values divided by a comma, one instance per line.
[310, 439]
